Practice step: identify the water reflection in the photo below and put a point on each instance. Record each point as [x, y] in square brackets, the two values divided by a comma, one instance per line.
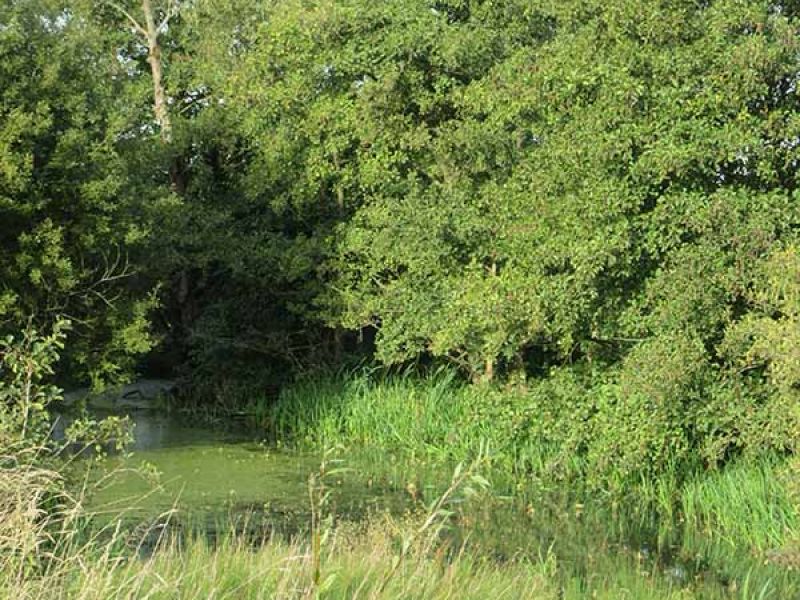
[154, 429]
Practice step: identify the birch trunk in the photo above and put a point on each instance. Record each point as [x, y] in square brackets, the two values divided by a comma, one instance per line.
[160, 108]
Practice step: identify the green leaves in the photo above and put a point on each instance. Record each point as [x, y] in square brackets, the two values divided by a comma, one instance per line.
[71, 216]
[488, 183]
[768, 338]
[27, 361]
[503, 185]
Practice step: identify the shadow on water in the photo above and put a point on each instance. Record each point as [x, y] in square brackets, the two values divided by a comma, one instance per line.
[223, 478]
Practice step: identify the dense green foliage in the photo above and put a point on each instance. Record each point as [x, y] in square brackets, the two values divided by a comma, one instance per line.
[71, 217]
[595, 201]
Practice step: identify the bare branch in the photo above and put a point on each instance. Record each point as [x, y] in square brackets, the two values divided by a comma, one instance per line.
[106, 301]
[128, 15]
[172, 11]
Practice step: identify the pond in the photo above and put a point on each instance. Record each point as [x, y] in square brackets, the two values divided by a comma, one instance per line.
[225, 476]
[209, 474]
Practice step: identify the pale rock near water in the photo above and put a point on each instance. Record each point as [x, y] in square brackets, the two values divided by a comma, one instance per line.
[141, 394]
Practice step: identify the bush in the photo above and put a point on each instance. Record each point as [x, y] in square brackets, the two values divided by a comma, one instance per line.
[608, 431]
[26, 361]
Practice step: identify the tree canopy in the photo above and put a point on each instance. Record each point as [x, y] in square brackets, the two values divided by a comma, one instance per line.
[599, 192]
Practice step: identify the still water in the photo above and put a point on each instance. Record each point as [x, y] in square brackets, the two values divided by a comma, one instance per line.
[222, 476]
[208, 474]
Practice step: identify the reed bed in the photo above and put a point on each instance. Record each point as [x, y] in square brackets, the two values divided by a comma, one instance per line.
[49, 550]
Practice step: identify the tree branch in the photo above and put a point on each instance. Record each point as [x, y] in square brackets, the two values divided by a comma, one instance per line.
[128, 15]
[171, 11]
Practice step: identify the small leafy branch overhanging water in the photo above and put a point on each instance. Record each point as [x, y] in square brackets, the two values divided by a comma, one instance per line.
[26, 364]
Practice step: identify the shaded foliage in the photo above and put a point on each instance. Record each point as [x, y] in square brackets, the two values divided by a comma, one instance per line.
[600, 197]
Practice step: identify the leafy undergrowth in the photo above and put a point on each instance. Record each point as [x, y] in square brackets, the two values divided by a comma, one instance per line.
[569, 430]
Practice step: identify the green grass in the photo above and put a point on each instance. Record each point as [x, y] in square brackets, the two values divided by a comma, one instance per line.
[364, 563]
[727, 516]
[743, 505]
[732, 522]
[742, 519]
[53, 555]
[728, 533]
[435, 417]
[278, 570]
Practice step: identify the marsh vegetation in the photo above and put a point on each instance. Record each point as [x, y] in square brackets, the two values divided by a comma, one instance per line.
[550, 247]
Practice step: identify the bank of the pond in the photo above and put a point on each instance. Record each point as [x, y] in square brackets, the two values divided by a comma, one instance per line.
[553, 432]
[382, 557]
[736, 519]
[720, 532]
[466, 542]
[389, 448]
[371, 563]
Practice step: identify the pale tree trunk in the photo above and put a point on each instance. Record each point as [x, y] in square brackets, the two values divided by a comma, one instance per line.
[488, 370]
[154, 58]
[150, 31]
